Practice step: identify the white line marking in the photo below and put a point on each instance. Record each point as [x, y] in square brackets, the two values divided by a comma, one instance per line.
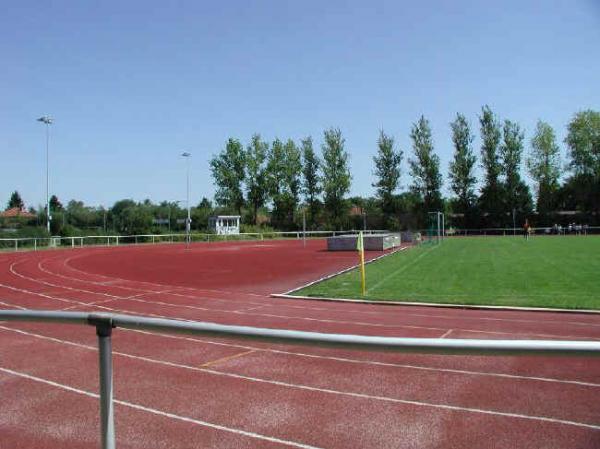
[340, 272]
[446, 333]
[172, 288]
[329, 391]
[12, 305]
[401, 269]
[289, 318]
[96, 303]
[160, 412]
[65, 263]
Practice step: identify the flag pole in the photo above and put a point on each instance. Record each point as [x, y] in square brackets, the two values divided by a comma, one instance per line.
[360, 246]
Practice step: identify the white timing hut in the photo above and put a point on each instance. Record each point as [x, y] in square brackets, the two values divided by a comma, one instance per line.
[224, 224]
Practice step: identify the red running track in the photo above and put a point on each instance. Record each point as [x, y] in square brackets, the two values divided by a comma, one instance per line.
[183, 392]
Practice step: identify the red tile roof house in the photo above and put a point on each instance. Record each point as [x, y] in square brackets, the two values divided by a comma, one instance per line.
[16, 212]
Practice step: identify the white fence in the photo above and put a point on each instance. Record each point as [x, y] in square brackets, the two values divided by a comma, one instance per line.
[38, 243]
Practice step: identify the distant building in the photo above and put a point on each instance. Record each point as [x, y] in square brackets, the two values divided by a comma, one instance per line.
[224, 224]
[13, 218]
[17, 212]
[356, 211]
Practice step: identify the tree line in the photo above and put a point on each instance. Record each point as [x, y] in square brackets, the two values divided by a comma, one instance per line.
[125, 217]
[283, 178]
[278, 183]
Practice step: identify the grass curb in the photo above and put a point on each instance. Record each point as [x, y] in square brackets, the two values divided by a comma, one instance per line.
[432, 304]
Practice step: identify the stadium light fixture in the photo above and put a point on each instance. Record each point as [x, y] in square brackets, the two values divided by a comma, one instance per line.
[47, 121]
[188, 222]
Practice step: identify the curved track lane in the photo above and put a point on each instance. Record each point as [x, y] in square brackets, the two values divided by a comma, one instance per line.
[178, 391]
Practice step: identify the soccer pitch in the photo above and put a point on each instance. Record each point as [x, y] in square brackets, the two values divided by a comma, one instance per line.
[561, 272]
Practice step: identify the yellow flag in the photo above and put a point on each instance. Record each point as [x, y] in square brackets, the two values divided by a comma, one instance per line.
[360, 246]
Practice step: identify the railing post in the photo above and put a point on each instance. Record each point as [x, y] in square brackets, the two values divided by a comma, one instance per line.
[104, 328]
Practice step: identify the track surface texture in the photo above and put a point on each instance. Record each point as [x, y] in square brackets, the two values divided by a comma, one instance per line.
[174, 391]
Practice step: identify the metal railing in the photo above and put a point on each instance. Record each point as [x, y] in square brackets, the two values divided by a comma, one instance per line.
[104, 324]
[510, 231]
[37, 243]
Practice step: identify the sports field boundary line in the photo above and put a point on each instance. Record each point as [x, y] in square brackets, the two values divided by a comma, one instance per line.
[337, 273]
[289, 295]
[429, 304]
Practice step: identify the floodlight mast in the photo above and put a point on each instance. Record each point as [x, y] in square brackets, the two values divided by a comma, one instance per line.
[47, 120]
[188, 222]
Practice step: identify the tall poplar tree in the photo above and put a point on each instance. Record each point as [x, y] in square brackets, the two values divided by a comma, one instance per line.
[490, 200]
[544, 167]
[284, 169]
[336, 175]
[228, 170]
[462, 167]
[311, 183]
[425, 168]
[583, 141]
[517, 197]
[256, 174]
[387, 171]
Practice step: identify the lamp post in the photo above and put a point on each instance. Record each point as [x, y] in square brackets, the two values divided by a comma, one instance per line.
[47, 121]
[188, 222]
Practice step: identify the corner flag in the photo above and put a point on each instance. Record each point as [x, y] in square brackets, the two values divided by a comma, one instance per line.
[360, 246]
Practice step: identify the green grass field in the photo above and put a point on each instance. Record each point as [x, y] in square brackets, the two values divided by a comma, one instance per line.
[561, 272]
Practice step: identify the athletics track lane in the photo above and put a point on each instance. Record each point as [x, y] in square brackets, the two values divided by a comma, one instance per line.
[357, 399]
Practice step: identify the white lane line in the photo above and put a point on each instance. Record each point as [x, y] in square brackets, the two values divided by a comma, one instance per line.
[43, 295]
[62, 287]
[401, 269]
[404, 312]
[448, 332]
[161, 412]
[172, 288]
[374, 362]
[12, 305]
[328, 390]
[338, 359]
[342, 271]
[248, 310]
[289, 318]
[96, 303]
[65, 263]
[42, 268]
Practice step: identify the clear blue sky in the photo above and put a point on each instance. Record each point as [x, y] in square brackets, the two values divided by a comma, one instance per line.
[131, 84]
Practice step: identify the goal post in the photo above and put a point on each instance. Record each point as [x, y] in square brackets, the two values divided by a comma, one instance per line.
[436, 227]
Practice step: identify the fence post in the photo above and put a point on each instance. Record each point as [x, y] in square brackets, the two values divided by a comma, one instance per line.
[35, 244]
[107, 421]
[16, 245]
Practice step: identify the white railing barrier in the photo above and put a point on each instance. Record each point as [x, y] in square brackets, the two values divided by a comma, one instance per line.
[104, 324]
[36, 243]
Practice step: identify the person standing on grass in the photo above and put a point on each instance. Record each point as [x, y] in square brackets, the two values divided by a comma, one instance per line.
[526, 229]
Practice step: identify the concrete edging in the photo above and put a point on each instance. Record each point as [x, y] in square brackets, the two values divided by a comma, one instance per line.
[434, 304]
